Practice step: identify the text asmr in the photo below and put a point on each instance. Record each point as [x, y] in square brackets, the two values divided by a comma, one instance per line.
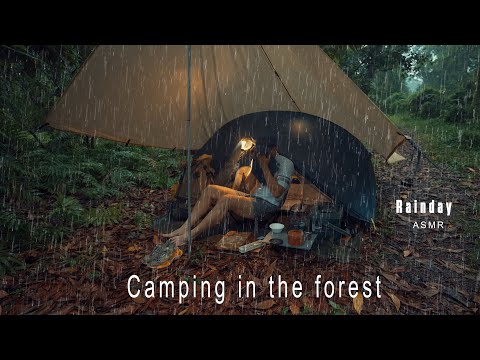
[422, 207]
[247, 288]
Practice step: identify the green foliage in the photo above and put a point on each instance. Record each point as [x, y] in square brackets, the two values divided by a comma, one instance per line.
[10, 221]
[337, 309]
[306, 310]
[465, 139]
[67, 210]
[450, 66]
[426, 103]
[454, 71]
[387, 65]
[461, 107]
[9, 264]
[102, 216]
[53, 182]
[452, 144]
[142, 219]
[395, 103]
[152, 180]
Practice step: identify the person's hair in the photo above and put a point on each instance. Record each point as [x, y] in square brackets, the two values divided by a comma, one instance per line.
[265, 148]
[271, 145]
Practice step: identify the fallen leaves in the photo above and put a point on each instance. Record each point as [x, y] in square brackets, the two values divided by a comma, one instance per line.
[403, 218]
[408, 252]
[66, 310]
[395, 300]
[173, 189]
[430, 292]
[454, 251]
[457, 295]
[269, 272]
[129, 309]
[184, 311]
[358, 303]
[139, 299]
[294, 309]
[264, 305]
[466, 183]
[134, 248]
[452, 266]
[398, 269]
[66, 288]
[396, 280]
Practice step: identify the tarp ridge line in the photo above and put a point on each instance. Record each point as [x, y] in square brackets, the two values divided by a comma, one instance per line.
[279, 78]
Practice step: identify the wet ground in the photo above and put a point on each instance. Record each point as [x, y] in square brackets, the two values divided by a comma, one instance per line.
[421, 271]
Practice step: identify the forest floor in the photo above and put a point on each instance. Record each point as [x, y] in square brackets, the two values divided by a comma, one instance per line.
[422, 271]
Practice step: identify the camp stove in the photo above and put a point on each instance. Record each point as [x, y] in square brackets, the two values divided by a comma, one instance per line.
[326, 219]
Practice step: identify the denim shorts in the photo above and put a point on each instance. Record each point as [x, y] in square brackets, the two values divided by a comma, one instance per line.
[262, 208]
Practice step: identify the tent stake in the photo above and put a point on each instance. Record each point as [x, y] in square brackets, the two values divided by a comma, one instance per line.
[189, 158]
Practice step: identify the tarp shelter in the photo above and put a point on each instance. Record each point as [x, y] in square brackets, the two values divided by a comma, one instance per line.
[138, 94]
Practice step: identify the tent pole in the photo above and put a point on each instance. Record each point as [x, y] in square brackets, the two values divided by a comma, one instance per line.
[189, 157]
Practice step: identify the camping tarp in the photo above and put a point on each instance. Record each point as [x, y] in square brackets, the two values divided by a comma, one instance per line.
[138, 93]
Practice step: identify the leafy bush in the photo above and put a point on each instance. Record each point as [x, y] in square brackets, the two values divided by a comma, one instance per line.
[460, 108]
[102, 216]
[8, 262]
[396, 103]
[465, 139]
[142, 219]
[67, 210]
[426, 103]
[53, 182]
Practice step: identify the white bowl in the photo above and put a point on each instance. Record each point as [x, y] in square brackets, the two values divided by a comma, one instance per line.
[276, 228]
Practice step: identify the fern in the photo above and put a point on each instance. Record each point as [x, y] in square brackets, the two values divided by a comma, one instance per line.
[102, 216]
[142, 220]
[94, 168]
[99, 192]
[67, 210]
[154, 180]
[9, 264]
[122, 179]
[10, 221]
[34, 169]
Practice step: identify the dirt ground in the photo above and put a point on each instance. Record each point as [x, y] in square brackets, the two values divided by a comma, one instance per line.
[422, 271]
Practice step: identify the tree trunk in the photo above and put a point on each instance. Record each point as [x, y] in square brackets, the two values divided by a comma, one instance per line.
[476, 94]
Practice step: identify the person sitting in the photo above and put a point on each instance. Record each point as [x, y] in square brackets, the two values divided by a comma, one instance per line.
[264, 194]
[240, 156]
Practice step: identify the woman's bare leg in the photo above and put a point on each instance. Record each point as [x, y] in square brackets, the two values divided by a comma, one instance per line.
[210, 195]
[240, 205]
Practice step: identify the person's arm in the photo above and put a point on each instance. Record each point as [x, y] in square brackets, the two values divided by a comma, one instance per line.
[244, 183]
[275, 188]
